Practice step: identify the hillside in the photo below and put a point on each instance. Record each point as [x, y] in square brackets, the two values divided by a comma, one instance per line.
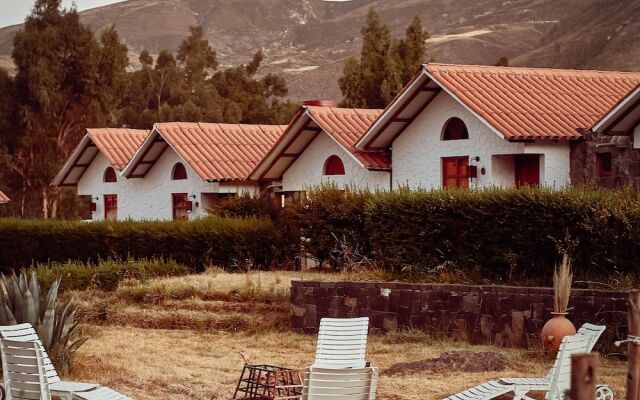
[308, 40]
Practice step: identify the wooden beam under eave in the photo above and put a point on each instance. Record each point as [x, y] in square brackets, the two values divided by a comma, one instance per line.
[617, 133]
[406, 120]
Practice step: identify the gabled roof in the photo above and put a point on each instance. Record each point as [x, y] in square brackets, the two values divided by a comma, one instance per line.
[117, 145]
[344, 125]
[623, 117]
[3, 198]
[516, 103]
[216, 152]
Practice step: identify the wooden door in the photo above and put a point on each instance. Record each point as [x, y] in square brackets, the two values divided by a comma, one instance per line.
[455, 172]
[527, 170]
[179, 205]
[111, 207]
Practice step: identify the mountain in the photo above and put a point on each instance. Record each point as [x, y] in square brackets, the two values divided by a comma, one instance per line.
[307, 41]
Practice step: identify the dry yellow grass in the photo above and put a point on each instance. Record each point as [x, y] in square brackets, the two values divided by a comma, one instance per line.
[179, 338]
[184, 364]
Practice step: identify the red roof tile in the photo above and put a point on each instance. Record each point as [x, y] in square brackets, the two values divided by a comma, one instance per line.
[518, 103]
[535, 103]
[3, 198]
[117, 144]
[347, 125]
[220, 152]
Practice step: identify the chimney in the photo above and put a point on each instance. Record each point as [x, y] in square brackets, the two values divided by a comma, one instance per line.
[319, 103]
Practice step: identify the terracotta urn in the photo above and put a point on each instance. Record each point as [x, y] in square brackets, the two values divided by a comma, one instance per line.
[555, 330]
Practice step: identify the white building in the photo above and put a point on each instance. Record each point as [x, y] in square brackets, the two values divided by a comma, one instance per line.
[318, 148]
[175, 172]
[94, 168]
[480, 126]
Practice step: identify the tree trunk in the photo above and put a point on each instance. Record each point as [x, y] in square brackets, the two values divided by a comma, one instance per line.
[45, 203]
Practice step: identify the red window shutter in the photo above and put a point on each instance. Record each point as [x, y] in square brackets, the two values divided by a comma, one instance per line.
[455, 172]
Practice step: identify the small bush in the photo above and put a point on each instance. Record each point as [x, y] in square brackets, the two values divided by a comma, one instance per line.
[105, 274]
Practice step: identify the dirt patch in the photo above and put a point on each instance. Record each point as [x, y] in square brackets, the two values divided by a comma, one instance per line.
[464, 361]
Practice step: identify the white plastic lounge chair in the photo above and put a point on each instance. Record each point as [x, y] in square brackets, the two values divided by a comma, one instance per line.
[342, 343]
[23, 371]
[593, 332]
[340, 383]
[560, 377]
[57, 387]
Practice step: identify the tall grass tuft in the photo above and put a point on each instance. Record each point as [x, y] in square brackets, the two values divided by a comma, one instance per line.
[562, 278]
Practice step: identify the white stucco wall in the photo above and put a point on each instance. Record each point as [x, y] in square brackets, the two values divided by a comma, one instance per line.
[149, 198]
[307, 170]
[417, 152]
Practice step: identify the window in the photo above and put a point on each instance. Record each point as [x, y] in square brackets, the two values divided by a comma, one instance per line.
[111, 207]
[179, 172]
[455, 172]
[180, 207]
[454, 129]
[110, 175]
[333, 166]
[605, 164]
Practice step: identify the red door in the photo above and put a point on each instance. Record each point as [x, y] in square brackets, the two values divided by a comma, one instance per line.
[179, 203]
[111, 207]
[527, 170]
[454, 172]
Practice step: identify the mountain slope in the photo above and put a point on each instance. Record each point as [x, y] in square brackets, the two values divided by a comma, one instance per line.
[308, 40]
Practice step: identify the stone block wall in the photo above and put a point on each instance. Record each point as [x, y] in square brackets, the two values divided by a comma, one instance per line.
[499, 315]
[625, 161]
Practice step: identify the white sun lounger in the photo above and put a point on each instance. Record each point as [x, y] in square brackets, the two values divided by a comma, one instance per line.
[66, 390]
[555, 385]
[342, 343]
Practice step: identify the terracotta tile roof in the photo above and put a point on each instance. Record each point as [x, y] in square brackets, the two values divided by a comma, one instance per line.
[220, 152]
[347, 125]
[535, 103]
[3, 198]
[622, 117]
[517, 103]
[344, 125]
[117, 145]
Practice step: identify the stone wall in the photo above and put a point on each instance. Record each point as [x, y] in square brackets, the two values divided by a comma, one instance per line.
[500, 315]
[624, 158]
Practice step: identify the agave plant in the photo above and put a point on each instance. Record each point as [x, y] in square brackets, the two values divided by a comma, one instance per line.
[22, 300]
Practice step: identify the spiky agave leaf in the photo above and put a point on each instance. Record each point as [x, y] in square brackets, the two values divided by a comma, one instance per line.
[6, 316]
[48, 320]
[34, 288]
[29, 308]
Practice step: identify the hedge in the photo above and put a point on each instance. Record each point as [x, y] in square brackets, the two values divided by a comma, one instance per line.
[502, 233]
[227, 242]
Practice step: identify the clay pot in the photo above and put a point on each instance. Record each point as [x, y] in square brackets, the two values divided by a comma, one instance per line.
[555, 330]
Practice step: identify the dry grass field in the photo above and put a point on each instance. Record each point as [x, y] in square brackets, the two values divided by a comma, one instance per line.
[181, 338]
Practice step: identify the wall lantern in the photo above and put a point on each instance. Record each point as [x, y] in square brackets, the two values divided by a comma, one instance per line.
[94, 203]
[472, 171]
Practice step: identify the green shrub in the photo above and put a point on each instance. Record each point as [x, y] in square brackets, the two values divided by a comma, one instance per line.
[105, 274]
[507, 232]
[333, 224]
[503, 235]
[196, 244]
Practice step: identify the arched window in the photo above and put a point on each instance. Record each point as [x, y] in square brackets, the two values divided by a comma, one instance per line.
[455, 129]
[110, 175]
[179, 172]
[333, 166]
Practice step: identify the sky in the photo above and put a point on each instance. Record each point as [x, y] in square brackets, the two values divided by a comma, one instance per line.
[14, 11]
